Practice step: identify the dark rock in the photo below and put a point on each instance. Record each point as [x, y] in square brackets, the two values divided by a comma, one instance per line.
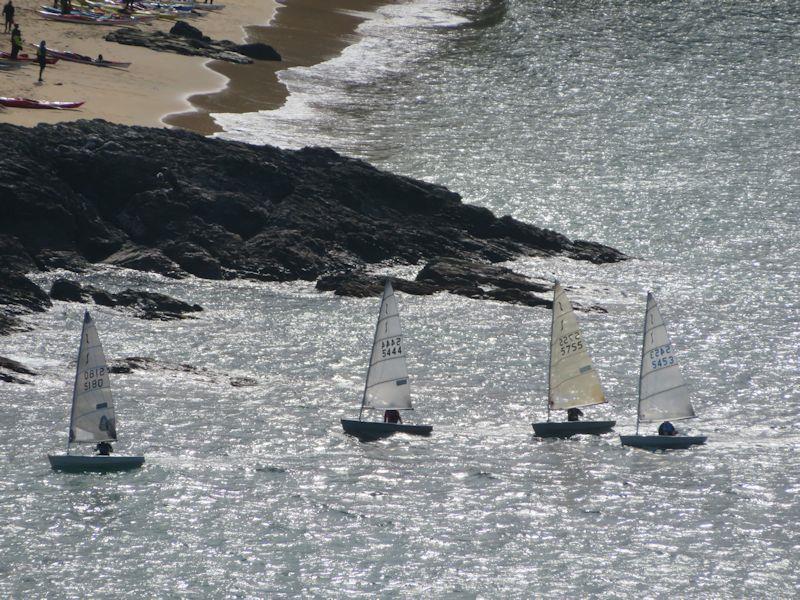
[453, 272]
[19, 295]
[146, 259]
[154, 198]
[9, 367]
[68, 260]
[361, 285]
[257, 50]
[194, 259]
[146, 305]
[183, 29]
[178, 44]
[68, 291]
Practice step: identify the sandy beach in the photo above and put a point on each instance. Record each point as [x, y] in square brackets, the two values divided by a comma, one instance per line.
[164, 89]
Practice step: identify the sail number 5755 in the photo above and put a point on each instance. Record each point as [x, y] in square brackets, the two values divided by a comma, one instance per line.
[570, 343]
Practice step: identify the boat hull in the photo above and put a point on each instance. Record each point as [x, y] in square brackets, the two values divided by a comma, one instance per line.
[373, 430]
[569, 428]
[662, 442]
[103, 464]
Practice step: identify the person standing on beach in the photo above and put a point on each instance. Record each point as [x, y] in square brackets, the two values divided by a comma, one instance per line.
[8, 13]
[16, 42]
[41, 58]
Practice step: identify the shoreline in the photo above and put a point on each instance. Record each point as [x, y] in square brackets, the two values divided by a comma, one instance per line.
[169, 90]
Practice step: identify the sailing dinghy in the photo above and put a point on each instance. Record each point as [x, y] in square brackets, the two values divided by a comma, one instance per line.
[92, 419]
[571, 379]
[387, 386]
[663, 395]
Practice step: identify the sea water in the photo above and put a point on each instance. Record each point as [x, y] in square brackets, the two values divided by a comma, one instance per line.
[668, 130]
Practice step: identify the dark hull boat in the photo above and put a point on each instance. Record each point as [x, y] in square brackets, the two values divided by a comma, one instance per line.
[373, 430]
[571, 379]
[570, 428]
[386, 386]
[663, 394]
[102, 464]
[662, 442]
[93, 418]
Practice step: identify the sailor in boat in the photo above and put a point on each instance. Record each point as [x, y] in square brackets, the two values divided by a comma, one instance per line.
[392, 416]
[104, 449]
[667, 428]
[574, 414]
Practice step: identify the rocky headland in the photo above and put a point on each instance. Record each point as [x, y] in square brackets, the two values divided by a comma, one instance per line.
[176, 203]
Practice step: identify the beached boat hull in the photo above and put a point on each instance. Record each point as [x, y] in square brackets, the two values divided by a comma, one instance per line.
[103, 464]
[569, 428]
[28, 103]
[662, 442]
[24, 57]
[373, 430]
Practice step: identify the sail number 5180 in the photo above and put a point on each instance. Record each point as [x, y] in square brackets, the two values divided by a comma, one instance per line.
[93, 378]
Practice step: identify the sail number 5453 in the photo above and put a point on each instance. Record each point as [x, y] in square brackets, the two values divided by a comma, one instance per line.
[391, 347]
[661, 357]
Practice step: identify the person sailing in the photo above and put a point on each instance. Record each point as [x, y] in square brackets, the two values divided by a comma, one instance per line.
[392, 416]
[104, 449]
[667, 428]
[574, 414]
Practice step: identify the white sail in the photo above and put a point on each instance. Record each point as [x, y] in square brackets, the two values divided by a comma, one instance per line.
[572, 378]
[92, 419]
[663, 394]
[387, 378]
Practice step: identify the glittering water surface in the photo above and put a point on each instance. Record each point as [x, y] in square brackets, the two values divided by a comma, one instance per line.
[668, 130]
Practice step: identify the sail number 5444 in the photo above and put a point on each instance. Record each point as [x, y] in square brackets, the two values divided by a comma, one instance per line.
[391, 347]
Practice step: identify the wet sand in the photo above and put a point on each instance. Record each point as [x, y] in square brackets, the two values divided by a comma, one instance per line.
[163, 89]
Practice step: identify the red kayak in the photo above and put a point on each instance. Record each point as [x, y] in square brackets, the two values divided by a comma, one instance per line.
[50, 60]
[85, 60]
[28, 103]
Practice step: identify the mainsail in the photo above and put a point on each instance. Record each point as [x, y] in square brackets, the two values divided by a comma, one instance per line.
[663, 393]
[387, 378]
[572, 378]
[92, 419]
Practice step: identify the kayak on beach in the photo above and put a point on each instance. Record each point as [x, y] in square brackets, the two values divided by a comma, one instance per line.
[22, 57]
[28, 103]
[94, 19]
[85, 60]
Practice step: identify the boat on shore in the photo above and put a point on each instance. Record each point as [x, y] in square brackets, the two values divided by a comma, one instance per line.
[572, 381]
[663, 393]
[23, 57]
[386, 387]
[85, 60]
[92, 418]
[30, 103]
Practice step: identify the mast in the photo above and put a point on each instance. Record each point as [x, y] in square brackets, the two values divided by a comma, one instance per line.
[550, 357]
[641, 361]
[374, 338]
[86, 319]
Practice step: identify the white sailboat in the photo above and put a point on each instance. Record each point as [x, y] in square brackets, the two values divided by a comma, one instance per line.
[92, 419]
[663, 394]
[572, 381]
[387, 387]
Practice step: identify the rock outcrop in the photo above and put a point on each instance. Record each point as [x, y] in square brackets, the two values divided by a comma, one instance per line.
[146, 305]
[190, 41]
[177, 203]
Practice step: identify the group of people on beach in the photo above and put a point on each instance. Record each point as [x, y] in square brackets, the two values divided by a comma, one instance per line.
[11, 26]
